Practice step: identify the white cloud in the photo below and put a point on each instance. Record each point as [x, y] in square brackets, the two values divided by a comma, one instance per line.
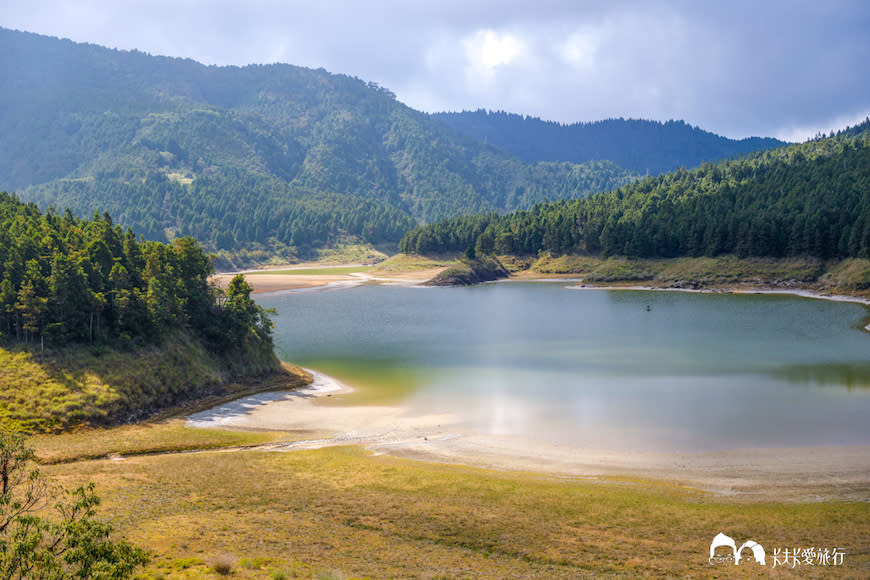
[800, 133]
[488, 50]
[494, 49]
[580, 49]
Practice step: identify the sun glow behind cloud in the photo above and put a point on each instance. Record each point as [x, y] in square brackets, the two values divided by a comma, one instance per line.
[487, 50]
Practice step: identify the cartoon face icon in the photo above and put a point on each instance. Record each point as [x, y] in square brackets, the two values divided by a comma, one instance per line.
[723, 541]
[724, 549]
[756, 549]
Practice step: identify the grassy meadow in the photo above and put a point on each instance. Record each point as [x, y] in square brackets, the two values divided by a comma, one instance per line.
[343, 513]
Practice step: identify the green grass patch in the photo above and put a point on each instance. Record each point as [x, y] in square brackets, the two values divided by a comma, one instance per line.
[732, 270]
[850, 276]
[350, 254]
[407, 263]
[623, 270]
[344, 512]
[77, 385]
[547, 264]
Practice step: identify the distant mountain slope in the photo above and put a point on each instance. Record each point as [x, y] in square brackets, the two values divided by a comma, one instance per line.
[646, 147]
[808, 199]
[257, 161]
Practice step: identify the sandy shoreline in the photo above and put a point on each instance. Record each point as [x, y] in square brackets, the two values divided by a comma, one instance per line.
[264, 282]
[784, 474]
[748, 289]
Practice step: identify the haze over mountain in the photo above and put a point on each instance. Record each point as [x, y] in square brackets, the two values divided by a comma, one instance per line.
[645, 147]
[257, 161]
[268, 158]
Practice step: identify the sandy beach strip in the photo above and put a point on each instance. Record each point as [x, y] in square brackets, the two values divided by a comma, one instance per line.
[262, 281]
[783, 474]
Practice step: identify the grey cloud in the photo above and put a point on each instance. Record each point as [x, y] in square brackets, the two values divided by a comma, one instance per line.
[738, 68]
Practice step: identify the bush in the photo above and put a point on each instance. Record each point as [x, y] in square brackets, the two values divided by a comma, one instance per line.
[223, 564]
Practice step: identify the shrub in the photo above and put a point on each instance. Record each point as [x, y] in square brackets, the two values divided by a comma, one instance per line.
[223, 564]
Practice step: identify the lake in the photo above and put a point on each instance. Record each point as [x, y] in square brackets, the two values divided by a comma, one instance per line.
[625, 370]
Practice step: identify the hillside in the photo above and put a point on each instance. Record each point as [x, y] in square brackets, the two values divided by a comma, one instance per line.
[99, 327]
[256, 161]
[810, 199]
[645, 147]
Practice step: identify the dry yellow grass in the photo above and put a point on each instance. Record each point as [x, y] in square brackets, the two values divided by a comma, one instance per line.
[146, 438]
[340, 512]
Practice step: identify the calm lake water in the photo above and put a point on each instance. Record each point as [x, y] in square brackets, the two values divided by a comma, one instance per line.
[633, 370]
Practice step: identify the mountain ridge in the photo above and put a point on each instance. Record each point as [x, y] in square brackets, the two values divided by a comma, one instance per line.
[640, 145]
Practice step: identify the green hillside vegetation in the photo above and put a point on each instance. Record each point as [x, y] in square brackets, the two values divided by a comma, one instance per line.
[258, 162]
[102, 327]
[470, 270]
[642, 146]
[806, 200]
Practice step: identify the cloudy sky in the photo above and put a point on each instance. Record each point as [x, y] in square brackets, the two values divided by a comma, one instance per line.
[784, 68]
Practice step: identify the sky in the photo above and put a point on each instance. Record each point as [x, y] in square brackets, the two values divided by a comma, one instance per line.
[780, 68]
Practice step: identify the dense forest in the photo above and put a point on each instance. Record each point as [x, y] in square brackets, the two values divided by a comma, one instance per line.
[810, 199]
[67, 280]
[645, 147]
[265, 160]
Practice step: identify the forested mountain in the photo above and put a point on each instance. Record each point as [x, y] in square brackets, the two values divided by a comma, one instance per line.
[810, 199]
[260, 158]
[645, 147]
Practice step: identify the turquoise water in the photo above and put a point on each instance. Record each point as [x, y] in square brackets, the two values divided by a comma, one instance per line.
[631, 370]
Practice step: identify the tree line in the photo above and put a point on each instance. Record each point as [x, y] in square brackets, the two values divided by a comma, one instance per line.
[71, 280]
[810, 199]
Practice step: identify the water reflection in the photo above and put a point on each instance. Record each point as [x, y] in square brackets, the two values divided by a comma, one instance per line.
[843, 375]
[597, 368]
